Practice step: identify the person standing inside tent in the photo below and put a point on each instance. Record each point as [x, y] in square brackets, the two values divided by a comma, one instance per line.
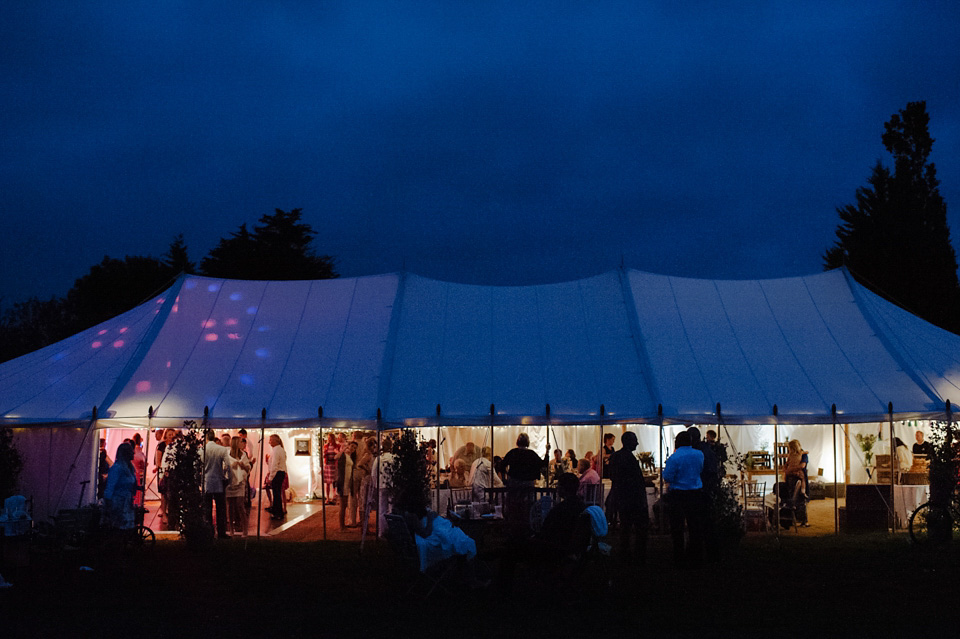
[277, 475]
[382, 477]
[922, 447]
[523, 468]
[330, 452]
[215, 469]
[103, 468]
[140, 466]
[628, 497]
[345, 461]
[237, 488]
[119, 490]
[685, 499]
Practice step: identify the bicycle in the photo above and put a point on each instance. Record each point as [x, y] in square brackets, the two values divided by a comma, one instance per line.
[929, 515]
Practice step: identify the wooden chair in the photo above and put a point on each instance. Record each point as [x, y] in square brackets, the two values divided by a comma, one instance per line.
[789, 506]
[754, 507]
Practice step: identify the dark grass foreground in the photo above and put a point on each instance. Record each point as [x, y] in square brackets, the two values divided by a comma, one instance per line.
[855, 585]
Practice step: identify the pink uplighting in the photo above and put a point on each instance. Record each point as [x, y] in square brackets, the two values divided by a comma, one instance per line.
[211, 337]
[210, 323]
[143, 386]
[118, 343]
[231, 322]
[123, 330]
[102, 332]
[233, 335]
[96, 344]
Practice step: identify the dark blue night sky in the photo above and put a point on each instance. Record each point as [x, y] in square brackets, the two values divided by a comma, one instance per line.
[493, 142]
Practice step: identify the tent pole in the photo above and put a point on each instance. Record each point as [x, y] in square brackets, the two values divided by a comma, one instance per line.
[776, 470]
[260, 481]
[836, 494]
[660, 489]
[893, 470]
[493, 466]
[376, 488]
[323, 483]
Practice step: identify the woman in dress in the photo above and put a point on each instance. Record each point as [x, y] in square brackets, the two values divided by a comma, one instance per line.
[345, 461]
[121, 486]
[330, 451]
[237, 488]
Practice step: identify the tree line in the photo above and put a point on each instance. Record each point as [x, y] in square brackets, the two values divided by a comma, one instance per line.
[280, 247]
[894, 240]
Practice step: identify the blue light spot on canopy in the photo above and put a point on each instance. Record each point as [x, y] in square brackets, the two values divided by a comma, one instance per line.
[251, 310]
[58, 356]
[262, 352]
[235, 296]
[246, 379]
[263, 329]
[213, 288]
[191, 284]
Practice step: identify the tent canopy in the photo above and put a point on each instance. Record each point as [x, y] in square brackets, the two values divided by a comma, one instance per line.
[627, 340]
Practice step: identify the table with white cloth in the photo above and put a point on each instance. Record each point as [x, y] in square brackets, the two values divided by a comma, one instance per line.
[906, 499]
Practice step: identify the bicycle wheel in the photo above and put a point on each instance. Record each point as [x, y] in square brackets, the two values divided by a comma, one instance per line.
[927, 517]
[145, 536]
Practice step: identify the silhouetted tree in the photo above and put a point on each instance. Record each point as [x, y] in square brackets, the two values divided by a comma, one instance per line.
[895, 240]
[176, 257]
[114, 286]
[278, 249]
[33, 324]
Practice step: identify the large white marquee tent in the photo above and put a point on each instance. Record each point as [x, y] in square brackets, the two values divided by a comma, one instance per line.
[643, 348]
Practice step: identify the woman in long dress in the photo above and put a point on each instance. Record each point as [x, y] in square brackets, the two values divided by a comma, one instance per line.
[121, 486]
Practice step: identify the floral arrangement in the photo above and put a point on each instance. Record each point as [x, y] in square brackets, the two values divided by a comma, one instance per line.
[866, 443]
[646, 460]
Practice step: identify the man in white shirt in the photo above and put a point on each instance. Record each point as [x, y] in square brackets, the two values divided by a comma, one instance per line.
[277, 474]
[214, 485]
[480, 475]
[382, 470]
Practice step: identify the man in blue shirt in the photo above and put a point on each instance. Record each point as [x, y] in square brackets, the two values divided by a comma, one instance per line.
[685, 501]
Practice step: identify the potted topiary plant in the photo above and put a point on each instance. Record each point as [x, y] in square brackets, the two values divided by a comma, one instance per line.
[186, 484]
[409, 475]
[11, 464]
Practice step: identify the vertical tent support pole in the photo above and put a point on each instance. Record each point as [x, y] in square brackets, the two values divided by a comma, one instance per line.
[437, 460]
[260, 481]
[776, 469]
[600, 450]
[323, 481]
[836, 492]
[660, 489]
[376, 487]
[493, 454]
[893, 470]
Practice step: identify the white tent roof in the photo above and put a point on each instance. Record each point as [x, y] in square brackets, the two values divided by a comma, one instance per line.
[627, 340]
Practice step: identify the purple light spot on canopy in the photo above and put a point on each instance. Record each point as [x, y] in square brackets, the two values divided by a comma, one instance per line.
[263, 329]
[236, 296]
[190, 284]
[251, 310]
[262, 352]
[213, 288]
[246, 380]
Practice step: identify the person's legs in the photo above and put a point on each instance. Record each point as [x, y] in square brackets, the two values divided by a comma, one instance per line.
[276, 487]
[221, 501]
[208, 508]
[695, 512]
[343, 511]
[627, 531]
[675, 511]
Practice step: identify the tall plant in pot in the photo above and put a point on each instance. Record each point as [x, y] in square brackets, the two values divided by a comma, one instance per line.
[11, 464]
[186, 486]
[409, 476]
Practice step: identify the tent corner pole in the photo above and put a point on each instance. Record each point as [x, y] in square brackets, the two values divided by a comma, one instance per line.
[260, 482]
[836, 492]
[894, 466]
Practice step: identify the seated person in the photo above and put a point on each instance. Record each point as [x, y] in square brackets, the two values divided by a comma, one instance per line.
[560, 528]
[437, 539]
[588, 476]
[458, 474]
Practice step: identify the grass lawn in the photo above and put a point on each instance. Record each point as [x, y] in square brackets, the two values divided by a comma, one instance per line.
[803, 586]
